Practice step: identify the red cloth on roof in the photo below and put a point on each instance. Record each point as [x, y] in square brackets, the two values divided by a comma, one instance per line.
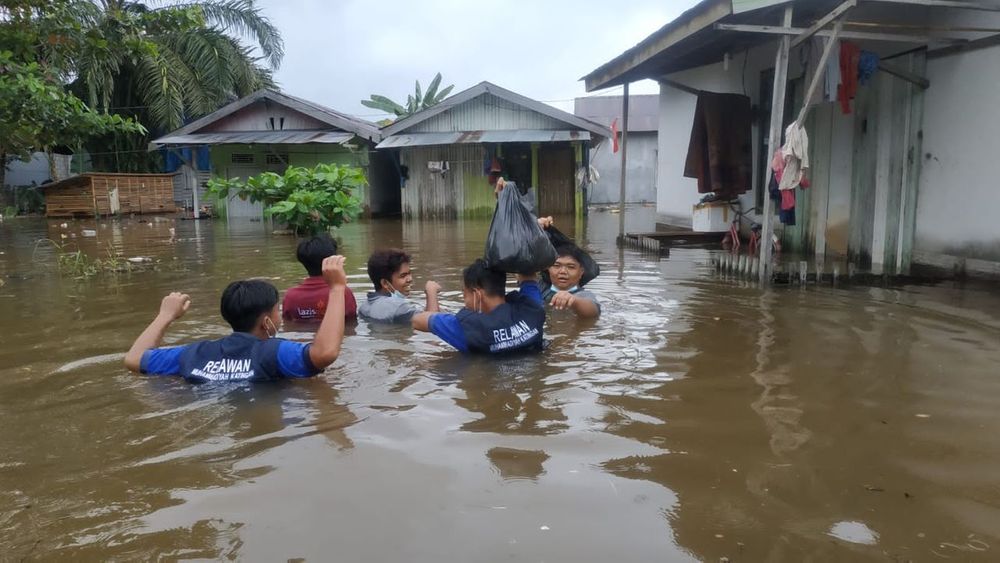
[307, 301]
[850, 56]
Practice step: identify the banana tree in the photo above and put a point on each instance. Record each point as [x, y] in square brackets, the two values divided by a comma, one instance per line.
[415, 102]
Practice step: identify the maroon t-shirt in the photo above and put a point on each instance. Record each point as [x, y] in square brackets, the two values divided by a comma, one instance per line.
[307, 301]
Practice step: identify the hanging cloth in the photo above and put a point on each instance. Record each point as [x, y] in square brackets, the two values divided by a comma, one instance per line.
[867, 66]
[795, 153]
[831, 80]
[850, 57]
[719, 153]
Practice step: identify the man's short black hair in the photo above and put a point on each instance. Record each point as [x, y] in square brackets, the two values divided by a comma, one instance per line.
[480, 276]
[243, 302]
[312, 252]
[382, 264]
[571, 250]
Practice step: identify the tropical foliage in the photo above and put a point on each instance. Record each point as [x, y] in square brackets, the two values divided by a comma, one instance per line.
[40, 39]
[36, 113]
[308, 200]
[415, 102]
[160, 63]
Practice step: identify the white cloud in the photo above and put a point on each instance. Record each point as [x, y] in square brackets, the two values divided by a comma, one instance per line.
[339, 52]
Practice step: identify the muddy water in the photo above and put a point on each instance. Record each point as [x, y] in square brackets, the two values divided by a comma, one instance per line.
[699, 418]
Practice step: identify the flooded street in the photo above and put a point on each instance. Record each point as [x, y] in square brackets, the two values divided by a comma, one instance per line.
[698, 418]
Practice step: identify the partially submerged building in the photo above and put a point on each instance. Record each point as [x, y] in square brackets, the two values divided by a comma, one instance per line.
[269, 131]
[903, 170]
[643, 123]
[445, 153]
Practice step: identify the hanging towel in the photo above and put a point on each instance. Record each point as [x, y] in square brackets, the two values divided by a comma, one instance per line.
[850, 55]
[832, 79]
[719, 154]
[796, 156]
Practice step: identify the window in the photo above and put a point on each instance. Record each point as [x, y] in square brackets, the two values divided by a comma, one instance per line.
[242, 158]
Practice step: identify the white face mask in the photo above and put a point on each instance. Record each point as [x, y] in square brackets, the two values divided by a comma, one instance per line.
[392, 291]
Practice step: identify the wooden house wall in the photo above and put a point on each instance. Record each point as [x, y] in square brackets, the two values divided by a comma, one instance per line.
[137, 193]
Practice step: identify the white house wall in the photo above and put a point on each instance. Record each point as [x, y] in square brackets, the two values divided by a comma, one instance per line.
[641, 178]
[959, 197]
[675, 193]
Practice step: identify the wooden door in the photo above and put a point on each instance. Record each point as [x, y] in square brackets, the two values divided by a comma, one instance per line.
[556, 185]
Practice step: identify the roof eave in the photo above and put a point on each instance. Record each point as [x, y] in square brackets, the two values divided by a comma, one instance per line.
[616, 71]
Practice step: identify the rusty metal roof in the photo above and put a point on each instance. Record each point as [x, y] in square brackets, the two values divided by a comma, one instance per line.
[468, 137]
[256, 137]
[334, 119]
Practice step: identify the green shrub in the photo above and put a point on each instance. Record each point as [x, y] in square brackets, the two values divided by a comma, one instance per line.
[308, 200]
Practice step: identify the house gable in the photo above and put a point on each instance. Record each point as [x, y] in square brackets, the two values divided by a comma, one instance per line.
[258, 116]
[488, 112]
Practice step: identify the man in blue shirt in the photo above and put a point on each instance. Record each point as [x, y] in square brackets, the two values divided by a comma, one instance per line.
[490, 322]
[251, 352]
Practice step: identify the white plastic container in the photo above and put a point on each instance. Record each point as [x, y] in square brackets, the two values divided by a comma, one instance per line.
[713, 217]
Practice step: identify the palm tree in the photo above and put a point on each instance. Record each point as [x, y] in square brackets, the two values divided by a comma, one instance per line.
[167, 64]
[414, 102]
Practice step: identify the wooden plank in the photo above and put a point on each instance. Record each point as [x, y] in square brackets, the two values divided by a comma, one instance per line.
[860, 35]
[914, 79]
[911, 168]
[682, 87]
[774, 140]
[823, 22]
[819, 72]
[961, 4]
[624, 149]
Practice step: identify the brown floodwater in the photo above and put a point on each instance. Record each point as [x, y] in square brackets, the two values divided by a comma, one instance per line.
[699, 418]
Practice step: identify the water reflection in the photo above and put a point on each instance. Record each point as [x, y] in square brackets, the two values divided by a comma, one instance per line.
[696, 419]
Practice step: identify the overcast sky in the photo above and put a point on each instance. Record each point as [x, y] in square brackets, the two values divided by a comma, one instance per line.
[338, 52]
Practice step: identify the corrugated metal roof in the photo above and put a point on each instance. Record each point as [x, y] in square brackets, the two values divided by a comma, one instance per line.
[467, 137]
[360, 127]
[252, 137]
[568, 119]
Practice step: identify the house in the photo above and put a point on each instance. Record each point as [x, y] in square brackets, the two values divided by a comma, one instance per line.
[905, 180]
[269, 131]
[643, 123]
[445, 153]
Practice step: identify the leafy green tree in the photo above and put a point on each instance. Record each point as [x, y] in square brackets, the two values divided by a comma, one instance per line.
[160, 63]
[40, 39]
[308, 200]
[414, 102]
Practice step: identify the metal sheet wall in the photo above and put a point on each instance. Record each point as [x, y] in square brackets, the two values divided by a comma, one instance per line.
[461, 191]
[486, 112]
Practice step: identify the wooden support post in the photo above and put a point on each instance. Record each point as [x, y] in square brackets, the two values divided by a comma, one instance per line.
[822, 22]
[910, 77]
[820, 72]
[860, 35]
[773, 142]
[624, 149]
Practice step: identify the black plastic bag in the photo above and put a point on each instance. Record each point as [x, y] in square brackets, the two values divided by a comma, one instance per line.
[516, 244]
[590, 267]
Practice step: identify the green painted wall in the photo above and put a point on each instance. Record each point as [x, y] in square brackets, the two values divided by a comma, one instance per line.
[298, 155]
